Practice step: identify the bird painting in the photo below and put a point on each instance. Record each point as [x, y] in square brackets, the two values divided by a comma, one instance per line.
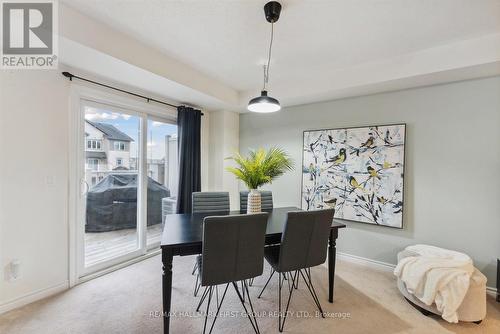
[387, 138]
[373, 173]
[358, 171]
[331, 202]
[382, 199]
[312, 171]
[368, 143]
[354, 183]
[339, 158]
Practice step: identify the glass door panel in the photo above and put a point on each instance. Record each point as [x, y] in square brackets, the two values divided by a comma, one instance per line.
[162, 171]
[111, 178]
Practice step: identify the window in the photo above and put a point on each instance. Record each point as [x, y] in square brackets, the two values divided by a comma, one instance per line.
[93, 164]
[162, 167]
[119, 146]
[109, 212]
[93, 144]
[121, 165]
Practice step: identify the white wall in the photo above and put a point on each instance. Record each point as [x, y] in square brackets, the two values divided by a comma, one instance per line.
[34, 180]
[452, 191]
[224, 140]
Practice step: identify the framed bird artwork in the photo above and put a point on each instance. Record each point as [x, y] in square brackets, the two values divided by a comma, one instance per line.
[359, 171]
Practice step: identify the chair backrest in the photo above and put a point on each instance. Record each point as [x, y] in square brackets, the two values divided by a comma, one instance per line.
[168, 206]
[208, 201]
[304, 241]
[233, 248]
[266, 200]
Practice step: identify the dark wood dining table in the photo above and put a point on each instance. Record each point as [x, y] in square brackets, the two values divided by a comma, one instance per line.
[182, 235]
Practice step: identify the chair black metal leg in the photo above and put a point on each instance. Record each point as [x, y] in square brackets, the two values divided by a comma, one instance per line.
[289, 280]
[203, 296]
[197, 285]
[265, 286]
[251, 306]
[218, 308]
[242, 291]
[251, 317]
[313, 290]
[308, 281]
[250, 282]
[217, 295]
[281, 315]
[195, 267]
[279, 302]
[208, 309]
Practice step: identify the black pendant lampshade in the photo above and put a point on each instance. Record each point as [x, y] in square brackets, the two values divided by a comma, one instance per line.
[265, 103]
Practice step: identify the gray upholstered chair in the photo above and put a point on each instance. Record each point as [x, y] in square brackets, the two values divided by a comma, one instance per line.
[304, 244]
[168, 206]
[208, 201]
[266, 200]
[233, 251]
[203, 202]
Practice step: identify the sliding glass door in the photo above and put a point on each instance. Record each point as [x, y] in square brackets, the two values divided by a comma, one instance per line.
[162, 165]
[129, 180]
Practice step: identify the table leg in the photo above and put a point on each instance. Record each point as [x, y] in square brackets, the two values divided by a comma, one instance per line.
[166, 257]
[332, 252]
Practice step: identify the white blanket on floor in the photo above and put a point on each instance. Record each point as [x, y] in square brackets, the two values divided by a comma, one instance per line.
[438, 276]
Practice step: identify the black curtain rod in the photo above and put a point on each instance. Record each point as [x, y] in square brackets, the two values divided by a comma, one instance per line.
[149, 99]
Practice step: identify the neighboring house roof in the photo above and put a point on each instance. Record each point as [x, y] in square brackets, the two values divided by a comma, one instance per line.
[110, 131]
[120, 168]
[95, 155]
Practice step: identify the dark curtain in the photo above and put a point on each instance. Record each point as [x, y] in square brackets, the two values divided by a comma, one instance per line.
[189, 136]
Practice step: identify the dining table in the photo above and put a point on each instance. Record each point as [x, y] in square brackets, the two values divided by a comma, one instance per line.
[183, 234]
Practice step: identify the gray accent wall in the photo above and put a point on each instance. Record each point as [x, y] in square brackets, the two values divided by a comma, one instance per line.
[452, 181]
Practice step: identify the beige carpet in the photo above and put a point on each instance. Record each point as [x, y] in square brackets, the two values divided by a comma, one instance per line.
[128, 301]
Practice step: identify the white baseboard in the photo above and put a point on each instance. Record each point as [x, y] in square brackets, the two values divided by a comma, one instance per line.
[47, 292]
[33, 297]
[491, 291]
[386, 266]
[366, 262]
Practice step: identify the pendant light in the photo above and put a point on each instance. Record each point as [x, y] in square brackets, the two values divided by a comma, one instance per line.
[265, 103]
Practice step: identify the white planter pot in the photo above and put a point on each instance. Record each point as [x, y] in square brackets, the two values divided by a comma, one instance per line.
[254, 201]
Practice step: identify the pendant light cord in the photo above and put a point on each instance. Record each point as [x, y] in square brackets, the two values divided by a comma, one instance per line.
[266, 67]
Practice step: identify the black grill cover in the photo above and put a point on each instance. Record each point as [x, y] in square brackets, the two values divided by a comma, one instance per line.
[112, 203]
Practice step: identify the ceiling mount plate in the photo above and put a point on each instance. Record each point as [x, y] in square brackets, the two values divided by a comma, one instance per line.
[272, 9]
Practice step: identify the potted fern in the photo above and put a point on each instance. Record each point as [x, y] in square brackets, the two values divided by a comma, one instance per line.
[258, 168]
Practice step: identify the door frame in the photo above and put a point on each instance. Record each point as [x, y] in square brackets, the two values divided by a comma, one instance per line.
[78, 94]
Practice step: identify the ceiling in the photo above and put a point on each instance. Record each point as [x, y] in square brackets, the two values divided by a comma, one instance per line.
[314, 39]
